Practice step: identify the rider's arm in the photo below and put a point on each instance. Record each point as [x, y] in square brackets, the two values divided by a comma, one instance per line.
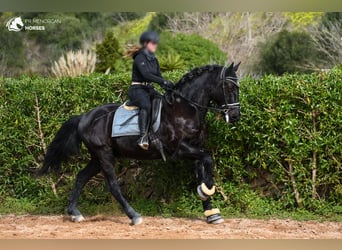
[141, 64]
[159, 73]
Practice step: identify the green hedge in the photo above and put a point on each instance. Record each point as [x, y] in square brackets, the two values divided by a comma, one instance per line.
[290, 128]
[288, 141]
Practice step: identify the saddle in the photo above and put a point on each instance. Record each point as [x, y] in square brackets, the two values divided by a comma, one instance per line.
[125, 122]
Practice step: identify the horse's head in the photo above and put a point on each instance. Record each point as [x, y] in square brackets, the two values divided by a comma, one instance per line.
[212, 84]
[226, 93]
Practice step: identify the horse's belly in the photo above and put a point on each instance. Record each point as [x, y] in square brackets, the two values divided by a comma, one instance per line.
[127, 147]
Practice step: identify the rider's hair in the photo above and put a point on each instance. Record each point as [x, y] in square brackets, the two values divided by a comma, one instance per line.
[132, 50]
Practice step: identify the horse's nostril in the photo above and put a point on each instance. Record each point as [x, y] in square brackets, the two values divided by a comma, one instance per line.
[235, 116]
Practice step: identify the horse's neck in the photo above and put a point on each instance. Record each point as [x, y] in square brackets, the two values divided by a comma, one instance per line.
[197, 92]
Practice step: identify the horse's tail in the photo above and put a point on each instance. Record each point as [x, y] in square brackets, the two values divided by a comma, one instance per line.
[66, 143]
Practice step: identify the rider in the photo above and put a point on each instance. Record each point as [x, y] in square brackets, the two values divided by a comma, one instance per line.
[146, 70]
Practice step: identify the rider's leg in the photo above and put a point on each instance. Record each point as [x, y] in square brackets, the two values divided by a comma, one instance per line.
[140, 97]
[144, 117]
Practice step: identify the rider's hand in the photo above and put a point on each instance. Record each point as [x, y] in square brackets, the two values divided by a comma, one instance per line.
[167, 85]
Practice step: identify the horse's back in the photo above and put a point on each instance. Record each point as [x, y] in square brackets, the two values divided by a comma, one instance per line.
[95, 125]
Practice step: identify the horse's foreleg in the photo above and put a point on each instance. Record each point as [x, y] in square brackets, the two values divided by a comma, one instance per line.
[213, 215]
[92, 169]
[107, 160]
[204, 172]
[203, 163]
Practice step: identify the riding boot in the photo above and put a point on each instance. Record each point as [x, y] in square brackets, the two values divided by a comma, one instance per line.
[143, 126]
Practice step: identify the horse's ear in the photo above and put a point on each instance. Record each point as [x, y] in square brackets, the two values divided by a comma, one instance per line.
[236, 67]
[231, 67]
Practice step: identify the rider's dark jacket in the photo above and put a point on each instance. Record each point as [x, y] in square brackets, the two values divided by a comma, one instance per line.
[146, 68]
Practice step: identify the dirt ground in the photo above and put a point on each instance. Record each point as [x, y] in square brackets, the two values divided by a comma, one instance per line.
[114, 227]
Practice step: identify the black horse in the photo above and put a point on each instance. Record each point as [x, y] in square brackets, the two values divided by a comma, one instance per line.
[182, 133]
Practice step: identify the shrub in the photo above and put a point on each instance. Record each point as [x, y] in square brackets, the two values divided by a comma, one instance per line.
[74, 64]
[108, 53]
[193, 49]
[286, 52]
[171, 62]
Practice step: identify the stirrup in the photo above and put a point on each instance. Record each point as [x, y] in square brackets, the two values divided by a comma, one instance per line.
[143, 142]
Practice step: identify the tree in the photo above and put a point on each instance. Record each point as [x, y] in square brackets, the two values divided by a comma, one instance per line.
[235, 33]
[331, 17]
[108, 53]
[327, 39]
[286, 52]
[328, 43]
[159, 22]
[122, 17]
[301, 20]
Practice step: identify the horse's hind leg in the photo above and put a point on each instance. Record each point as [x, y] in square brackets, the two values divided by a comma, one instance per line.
[107, 164]
[92, 169]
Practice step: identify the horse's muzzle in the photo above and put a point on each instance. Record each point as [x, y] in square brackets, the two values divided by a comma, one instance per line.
[232, 116]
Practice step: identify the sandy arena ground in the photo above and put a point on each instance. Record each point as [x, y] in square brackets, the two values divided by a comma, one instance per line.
[114, 227]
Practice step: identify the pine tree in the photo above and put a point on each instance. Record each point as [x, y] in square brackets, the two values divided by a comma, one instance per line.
[108, 52]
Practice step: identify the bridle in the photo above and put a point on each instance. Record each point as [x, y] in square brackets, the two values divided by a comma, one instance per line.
[226, 107]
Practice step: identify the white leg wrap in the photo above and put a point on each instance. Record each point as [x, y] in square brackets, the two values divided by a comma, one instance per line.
[213, 216]
[210, 212]
[202, 196]
[206, 190]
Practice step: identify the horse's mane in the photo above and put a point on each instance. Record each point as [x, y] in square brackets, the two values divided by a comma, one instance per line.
[196, 72]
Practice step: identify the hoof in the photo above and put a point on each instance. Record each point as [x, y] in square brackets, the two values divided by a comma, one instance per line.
[77, 218]
[215, 219]
[213, 216]
[136, 221]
